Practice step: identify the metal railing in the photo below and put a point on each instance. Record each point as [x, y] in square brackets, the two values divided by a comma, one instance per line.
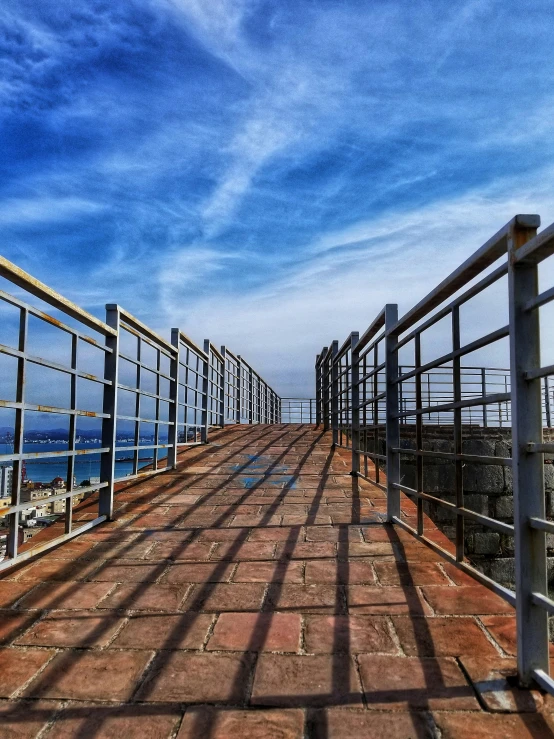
[298, 410]
[366, 396]
[155, 397]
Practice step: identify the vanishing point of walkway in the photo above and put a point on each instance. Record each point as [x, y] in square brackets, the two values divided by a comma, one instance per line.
[255, 592]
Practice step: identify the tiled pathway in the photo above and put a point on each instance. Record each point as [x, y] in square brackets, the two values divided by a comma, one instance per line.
[255, 593]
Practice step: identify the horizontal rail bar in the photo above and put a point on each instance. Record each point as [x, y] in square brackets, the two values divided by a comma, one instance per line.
[47, 455]
[23, 279]
[53, 498]
[542, 525]
[503, 461]
[486, 255]
[491, 523]
[23, 556]
[538, 248]
[51, 409]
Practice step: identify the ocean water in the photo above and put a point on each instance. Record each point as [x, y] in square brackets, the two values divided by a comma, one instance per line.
[86, 466]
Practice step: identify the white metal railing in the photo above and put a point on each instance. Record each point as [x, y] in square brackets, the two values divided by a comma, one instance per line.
[366, 395]
[157, 395]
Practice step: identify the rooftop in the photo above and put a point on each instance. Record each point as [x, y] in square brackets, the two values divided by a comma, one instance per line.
[256, 591]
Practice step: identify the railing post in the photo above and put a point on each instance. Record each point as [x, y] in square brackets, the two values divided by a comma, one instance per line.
[527, 467]
[173, 432]
[335, 392]
[221, 389]
[355, 400]
[250, 396]
[205, 393]
[317, 391]
[109, 405]
[392, 427]
[484, 394]
[19, 435]
[239, 389]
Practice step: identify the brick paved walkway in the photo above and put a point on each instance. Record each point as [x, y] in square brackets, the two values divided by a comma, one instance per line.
[255, 593]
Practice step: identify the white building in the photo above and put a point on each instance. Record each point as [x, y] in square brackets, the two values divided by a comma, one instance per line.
[6, 477]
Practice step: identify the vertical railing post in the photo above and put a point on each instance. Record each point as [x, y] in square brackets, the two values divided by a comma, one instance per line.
[19, 435]
[355, 400]
[206, 400]
[109, 406]
[527, 467]
[173, 431]
[317, 391]
[484, 394]
[250, 396]
[221, 389]
[392, 421]
[239, 389]
[335, 392]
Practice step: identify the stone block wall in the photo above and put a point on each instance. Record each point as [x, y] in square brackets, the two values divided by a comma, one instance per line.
[488, 489]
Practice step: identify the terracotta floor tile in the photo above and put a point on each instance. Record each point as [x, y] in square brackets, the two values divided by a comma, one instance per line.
[25, 720]
[409, 682]
[66, 595]
[372, 549]
[305, 598]
[213, 535]
[413, 573]
[178, 551]
[147, 597]
[184, 631]
[106, 676]
[275, 572]
[290, 680]
[493, 726]
[330, 571]
[276, 533]
[72, 629]
[503, 631]
[333, 533]
[10, 592]
[220, 723]
[442, 637]
[272, 632]
[241, 551]
[17, 666]
[473, 600]
[308, 550]
[13, 623]
[375, 600]
[185, 677]
[495, 679]
[350, 634]
[131, 572]
[199, 573]
[341, 723]
[215, 597]
[109, 722]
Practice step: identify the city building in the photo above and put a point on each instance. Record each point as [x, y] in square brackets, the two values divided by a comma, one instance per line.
[6, 478]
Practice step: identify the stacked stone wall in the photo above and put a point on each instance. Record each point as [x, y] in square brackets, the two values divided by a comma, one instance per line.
[488, 489]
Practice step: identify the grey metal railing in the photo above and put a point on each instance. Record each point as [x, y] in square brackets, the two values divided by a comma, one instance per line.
[156, 397]
[366, 396]
[298, 410]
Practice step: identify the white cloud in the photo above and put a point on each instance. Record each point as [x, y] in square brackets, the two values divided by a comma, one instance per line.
[45, 209]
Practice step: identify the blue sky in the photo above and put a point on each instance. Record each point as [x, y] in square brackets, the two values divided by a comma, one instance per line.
[268, 174]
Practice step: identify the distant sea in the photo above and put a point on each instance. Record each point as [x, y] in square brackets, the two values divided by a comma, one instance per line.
[86, 466]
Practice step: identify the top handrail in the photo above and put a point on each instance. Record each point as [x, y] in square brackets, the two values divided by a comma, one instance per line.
[486, 255]
[23, 279]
